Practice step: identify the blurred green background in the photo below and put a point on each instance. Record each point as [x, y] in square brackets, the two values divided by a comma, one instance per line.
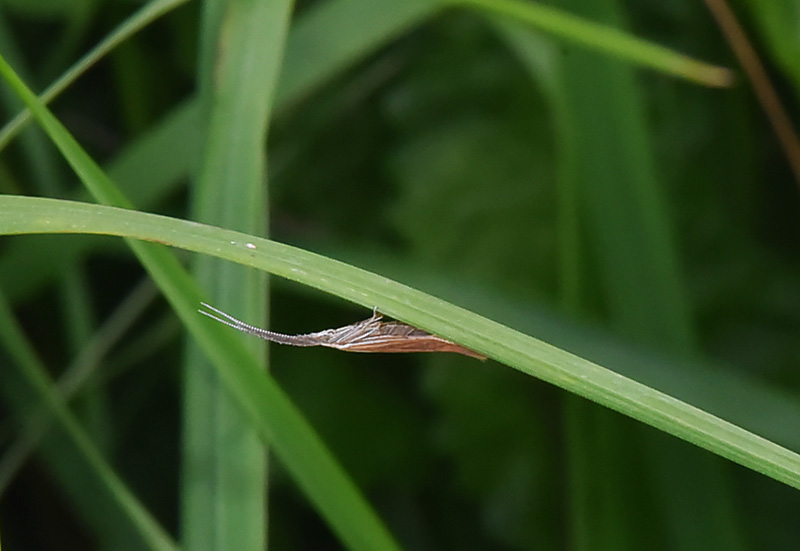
[644, 222]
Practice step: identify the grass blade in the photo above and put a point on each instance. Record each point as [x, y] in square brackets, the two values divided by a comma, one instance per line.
[118, 503]
[223, 456]
[278, 422]
[603, 39]
[135, 23]
[522, 352]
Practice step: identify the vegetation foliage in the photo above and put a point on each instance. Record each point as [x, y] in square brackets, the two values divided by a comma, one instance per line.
[612, 216]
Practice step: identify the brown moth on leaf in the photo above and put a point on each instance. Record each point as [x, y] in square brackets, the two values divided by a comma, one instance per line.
[370, 335]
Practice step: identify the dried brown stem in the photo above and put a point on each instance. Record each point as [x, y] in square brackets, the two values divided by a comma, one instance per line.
[765, 92]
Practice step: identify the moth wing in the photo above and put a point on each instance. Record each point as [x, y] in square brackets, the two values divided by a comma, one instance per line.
[400, 337]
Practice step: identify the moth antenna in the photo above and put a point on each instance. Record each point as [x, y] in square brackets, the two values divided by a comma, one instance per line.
[227, 319]
[221, 313]
[280, 338]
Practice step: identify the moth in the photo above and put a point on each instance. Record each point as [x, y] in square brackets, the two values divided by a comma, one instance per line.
[369, 335]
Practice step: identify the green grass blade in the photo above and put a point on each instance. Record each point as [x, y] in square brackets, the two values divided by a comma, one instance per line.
[146, 15]
[745, 400]
[35, 148]
[111, 498]
[603, 39]
[243, 48]
[331, 36]
[607, 153]
[278, 422]
[148, 169]
[523, 352]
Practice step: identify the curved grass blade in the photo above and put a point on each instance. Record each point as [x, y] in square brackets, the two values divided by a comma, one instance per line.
[522, 352]
[129, 27]
[268, 408]
[108, 489]
[604, 39]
